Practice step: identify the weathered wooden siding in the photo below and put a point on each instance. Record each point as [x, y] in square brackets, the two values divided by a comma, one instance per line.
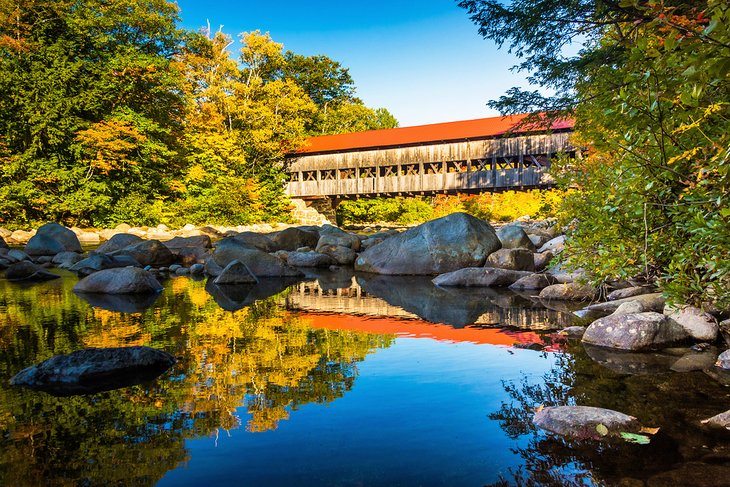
[448, 167]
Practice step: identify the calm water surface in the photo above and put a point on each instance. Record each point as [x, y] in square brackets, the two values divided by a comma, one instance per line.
[344, 381]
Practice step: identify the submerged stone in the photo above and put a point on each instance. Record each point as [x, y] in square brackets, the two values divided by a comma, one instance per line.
[585, 422]
[94, 370]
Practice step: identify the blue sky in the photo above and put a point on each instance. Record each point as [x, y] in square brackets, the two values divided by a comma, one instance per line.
[424, 61]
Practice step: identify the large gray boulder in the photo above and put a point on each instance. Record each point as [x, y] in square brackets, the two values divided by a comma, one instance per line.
[637, 332]
[571, 291]
[65, 260]
[123, 280]
[94, 370]
[515, 237]
[118, 242]
[236, 273]
[480, 277]
[340, 254]
[700, 325]
[453, 242]
[29, 272]
[585, 422]
[97, 262]
[650, 302]
[518, 259]
[255, 241]
[259, 263]
[52, 238]
[331, 235]
[195, 241]
[148, 253]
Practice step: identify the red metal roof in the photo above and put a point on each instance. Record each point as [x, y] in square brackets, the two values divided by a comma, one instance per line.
[480, 128]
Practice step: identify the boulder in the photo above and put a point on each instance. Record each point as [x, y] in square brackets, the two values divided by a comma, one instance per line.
[334, 236]
[259, 263]
[573, 331]
[628, 308]
[97, 262]
[542, 261]
[533, 282]
[51, 239]
[118, 242]
[515, 259]
[630, 363]
[188, 256]
[585, 422]
[446, 244]
[122, 280]
[197, 269]
[480, 277]
[255, 241]
[94, 370]
[515, 237]
[17, 255]
[308, 259]
[148, 252]
[28, 271]
[637, 332]
[555, 245]
[564, 276]
[650, 302]
[629, 292]
[700, 325]
[339, 254]
[571, 291]
[65, 260]
[293, 238]
[538, 240]
[235, 273]
[197, 241]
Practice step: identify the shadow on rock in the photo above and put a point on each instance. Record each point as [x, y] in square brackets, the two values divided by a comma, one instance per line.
[232, 297]
[122, 303]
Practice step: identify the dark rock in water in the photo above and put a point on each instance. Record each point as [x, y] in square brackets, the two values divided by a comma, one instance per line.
[631, 363]
[3, 244]
[232, 297]
[96, 262]
[120, 303]
[694, 474]
[17, 255]
[94, 370]
[637, 332]
[571, 291]
[51, 239]
[480, 277]
[235, 273]
[255, 241]
[533, 282]
[513, 259]
[259, 263]
[65, 260]
[542, 261]
[197, 269]
[446, 244]
[118, 242]
[212, 268]
[148, 252]
[695, 360]
[585, 422]
[28, 272]
[308, 259]
[196, 241]
[515, 237]
[293, 238]
[188, 256]
[125, 280]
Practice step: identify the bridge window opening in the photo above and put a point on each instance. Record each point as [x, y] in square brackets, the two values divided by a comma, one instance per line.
[386, 171]
[367, 172]
[294, 177]
[329, 175]
[409, 170]
[309, 175]
[434, 168]
[480, 165]
[456, 166]
[347, 174]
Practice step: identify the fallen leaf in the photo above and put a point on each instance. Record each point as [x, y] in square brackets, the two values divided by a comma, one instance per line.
[649, 431]
[539, 408]
[602, 430]
[634, 438]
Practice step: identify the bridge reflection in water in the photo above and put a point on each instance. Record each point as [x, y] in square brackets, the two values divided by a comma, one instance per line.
[413, 306]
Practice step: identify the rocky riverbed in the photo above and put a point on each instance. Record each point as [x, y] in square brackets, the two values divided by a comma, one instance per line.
[627, 317]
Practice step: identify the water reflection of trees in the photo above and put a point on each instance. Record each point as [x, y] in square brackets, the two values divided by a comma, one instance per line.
[675, 402]
[266, 360]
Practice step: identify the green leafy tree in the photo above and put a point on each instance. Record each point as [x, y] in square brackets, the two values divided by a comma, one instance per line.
[649, 91]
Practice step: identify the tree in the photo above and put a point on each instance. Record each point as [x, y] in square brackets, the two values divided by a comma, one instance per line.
[649, 91]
